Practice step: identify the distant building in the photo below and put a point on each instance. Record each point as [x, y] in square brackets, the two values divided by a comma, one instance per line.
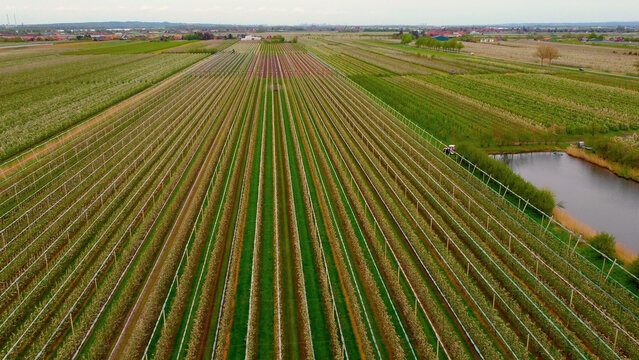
[441, 38]
[251, 38]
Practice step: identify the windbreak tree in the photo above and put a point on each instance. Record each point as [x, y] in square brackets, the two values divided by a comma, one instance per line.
[422, 41]
[407, 38]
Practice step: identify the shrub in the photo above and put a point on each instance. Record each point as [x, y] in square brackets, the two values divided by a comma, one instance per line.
[605, 243]
[633, 267]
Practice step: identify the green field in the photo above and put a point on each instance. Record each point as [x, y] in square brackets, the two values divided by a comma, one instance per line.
[126, 47]
[289, 201]
[46, 95]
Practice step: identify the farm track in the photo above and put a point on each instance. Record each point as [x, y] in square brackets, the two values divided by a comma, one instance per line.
[274, 210]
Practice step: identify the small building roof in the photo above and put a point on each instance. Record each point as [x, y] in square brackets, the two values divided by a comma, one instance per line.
[441, 38]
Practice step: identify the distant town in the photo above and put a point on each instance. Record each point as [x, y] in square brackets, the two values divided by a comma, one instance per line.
[618, 33]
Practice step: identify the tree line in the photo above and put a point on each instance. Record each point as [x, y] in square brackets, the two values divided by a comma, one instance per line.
[543, 199]
[429, 42]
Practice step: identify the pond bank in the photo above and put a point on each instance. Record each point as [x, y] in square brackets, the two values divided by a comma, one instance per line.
[587, 193]
[616, 168]
[575, 225]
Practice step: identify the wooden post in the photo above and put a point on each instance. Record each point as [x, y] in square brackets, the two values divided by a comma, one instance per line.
[525, 205]
[572, 292]
[527, 340]
[611, 267]
[576, 243]
[569, 239]
[549, 221]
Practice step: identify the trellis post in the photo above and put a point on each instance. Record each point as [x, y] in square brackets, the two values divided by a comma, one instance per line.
[611, 267]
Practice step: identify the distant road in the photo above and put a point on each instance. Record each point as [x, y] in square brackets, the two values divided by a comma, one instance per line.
[19, 45]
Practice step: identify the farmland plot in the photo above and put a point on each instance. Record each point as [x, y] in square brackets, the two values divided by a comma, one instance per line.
[273, 209]
[485, 101]
[47, 95]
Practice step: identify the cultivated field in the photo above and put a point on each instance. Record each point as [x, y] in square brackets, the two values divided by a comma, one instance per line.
[592, 57]
[50, 89]
[260, 204]
[483, 101]
[205, 46]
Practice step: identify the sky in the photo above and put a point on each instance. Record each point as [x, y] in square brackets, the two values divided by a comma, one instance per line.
[351, 12]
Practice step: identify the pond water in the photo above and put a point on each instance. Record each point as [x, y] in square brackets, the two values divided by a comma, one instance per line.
[593, 195]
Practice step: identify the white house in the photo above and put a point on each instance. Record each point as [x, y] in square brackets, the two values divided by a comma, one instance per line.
[251, 37]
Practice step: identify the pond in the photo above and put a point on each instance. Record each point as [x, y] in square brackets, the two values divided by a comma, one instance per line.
[592, 194]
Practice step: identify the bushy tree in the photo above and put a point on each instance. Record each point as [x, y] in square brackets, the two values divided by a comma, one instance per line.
[422, 41]
[546, 51]
[605, 243]
[407, 38]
